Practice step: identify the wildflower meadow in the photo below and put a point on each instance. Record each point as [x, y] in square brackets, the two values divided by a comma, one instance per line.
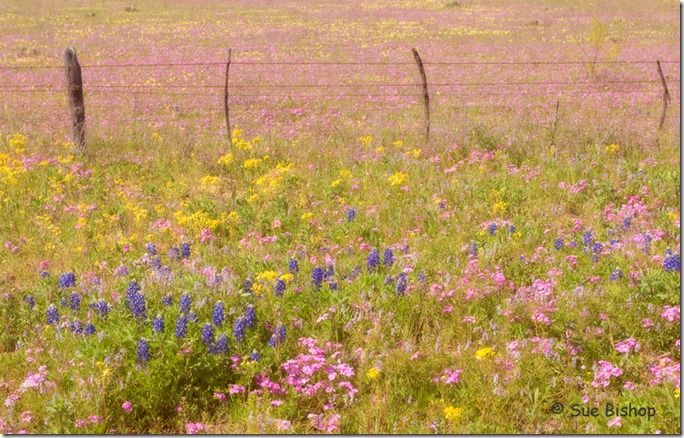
[330, 267]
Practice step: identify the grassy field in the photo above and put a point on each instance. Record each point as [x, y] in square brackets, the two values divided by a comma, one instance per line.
[330, 270]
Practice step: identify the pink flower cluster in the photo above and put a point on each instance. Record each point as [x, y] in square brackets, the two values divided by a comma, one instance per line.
[194, 428]
[449, 376]
[603, 372]
[665, 370]
[627, 346]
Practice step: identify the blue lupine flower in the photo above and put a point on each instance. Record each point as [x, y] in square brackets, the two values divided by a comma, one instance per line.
[273, 340]
[143, 351]
[293, 265]
[76, 326]
[402, 282]
[133, 287]
[598, 246]
[626, 222]
[221, 346]
[421, 276]
[279, 287]
[156, 263]
[354, 273]
[44, 274]
[317, 276]
[329, 273]
[616, 275]
[587, 238]
[333, 285]
[207, 334]
[671, 262]
[181, 326]
[185, 302]
[63, 302]
[373, 260]
[30, 301]
[192, 316]
[511, 229]
[67, 279]
[492, 228]
[255, 356]
[136, 301]
[158, 324]
[102, 308]
[278, 337]
[388, 257]
[559, 243]
[167, 300]
[52, 314]
[247, 286]
[647, 243]
[89, 329]
[174, 253]
[472, 249]
[388, 280]
[250, 316]
[151, 248]
[351, 214]
[239, 329]
[75, 301]
[218, 314]
[185, 250]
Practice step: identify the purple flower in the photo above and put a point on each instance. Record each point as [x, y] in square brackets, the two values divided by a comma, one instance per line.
[492, 228]
[75, 301]
[293, 265]
[185, 302]
[279, 287]
[388, 257]
[143, 351]
[218, 314]
[317, 276]
[351, 214]
[158, 324]
[373, 260]
[67, 279]
[181, 326]
[207, 334]
[559, 243]
[671, 262]
[52, 314]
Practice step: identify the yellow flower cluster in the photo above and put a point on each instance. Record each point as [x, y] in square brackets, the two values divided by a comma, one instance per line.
[196, 221]
[398, 178]
[373, 373]
[484, 353]
[452, 413]
[612, 149]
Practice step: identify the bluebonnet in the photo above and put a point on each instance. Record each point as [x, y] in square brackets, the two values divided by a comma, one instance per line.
[279, 287]
[293, 265]
[250, 316]
[421, 276]
[598, 246]
[156, 263]
[174, 252]
[167, 300]
[281, 332]
[102, 308]
[587, 238]
[671, 262]
[388, 280]
[511, 229]
[143, 351]
[44, 274]
[647, 243]
[207, 334]
[402, 282]
[76, 326]
[492, 228]
[373, 260]
[192, 316]
[52, 314]
[221, 345]
[135, 300]
[626, 222]
[354, 273]
[247, 286]
[329, 273]
[30, 301]
[317, 276]
[185, 302]
[218, 314]
[181, 326]
[63, 302]
[351, 214]
[185, 250]
[472, 249]
[273, 340]
[89, 329]
[559, 243]
[239, 329]
[158, 324]
[75, 301]
[255, 356]
[151, 248]
[333, 285]
[616, 275]
[67, 279]
[133, 287]
[388, 257]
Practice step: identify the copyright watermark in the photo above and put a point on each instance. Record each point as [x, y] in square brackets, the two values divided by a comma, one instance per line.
[609, 410]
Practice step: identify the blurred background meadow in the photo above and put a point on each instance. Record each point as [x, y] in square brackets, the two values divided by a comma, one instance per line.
[330, 270]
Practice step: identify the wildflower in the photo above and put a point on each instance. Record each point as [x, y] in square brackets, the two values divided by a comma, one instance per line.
[167, 300]
[67, 280]
[89, 329]
[450, 377]
[185, 250]
[279, 287]
[293, 266]
[670, 313]
[317, 277]
[250, 316]
[484, 353]
[452, 413]
[143, 351]
[499, 207]
[587, 238]
[221, 346]
[472, 249]
[373, 260]
[388, 257]
[351, 214]
[135, 300]
[102, 308]
[30, 301]
[255, 356]
[75, 301]
[181, 326]
[397, 178]
[194, 428]
[127, 406]
[76, 327]
[627, 345]
[247, 286]
[158, 324]
[402, 282]
[616, 275]
[492, 228]
[559, 243]
[239, 329]
[603, 371]
[218, 314]
[671, 262]
[373, 373]
[225, 160]
[185, 302]
[236, 389]
[207, 334]
[612, 149]
[52, 314]
[150, 248]
[615, 422]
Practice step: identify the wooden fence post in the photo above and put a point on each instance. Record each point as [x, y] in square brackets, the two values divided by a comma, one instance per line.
[666, 96]
[226, 107]
[555, 123]
[75, 91]
[426, 95]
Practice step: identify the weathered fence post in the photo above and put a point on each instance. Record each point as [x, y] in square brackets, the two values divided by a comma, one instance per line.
[426, 95]
[75, 91]
[555, 123]
[666, 96]
[226, 107]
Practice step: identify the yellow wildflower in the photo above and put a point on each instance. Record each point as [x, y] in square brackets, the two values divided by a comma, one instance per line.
[398, 178]
[484, 353]
[398, 144]
[416, 153]
[17, 141]
[612, 149]
[267, 276]
[452, 413]
[251, 163]
[373, 373]
[499, 207]
[225, 160]
[307, 216]
[287, 278]
[380, 149]
[366, 140]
